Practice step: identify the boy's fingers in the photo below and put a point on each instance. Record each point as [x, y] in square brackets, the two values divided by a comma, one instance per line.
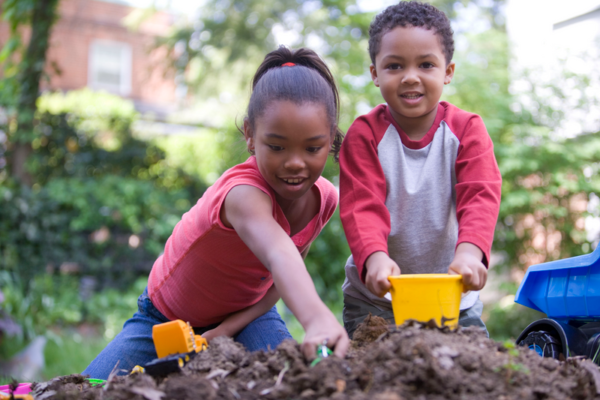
[384, 286]
[467, 275]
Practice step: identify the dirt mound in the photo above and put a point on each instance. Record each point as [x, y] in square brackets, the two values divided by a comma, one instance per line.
[415, 361]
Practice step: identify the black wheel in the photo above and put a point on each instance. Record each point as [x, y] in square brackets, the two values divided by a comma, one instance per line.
[544, 343]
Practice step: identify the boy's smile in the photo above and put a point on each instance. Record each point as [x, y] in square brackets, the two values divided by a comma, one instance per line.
[291, 143]
[410, 70]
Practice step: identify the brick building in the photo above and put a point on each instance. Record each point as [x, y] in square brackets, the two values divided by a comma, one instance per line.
[91, 46]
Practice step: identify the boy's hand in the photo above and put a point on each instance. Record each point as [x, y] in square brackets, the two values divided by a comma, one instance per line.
[379, 266]
[325, 327]
[467, 262]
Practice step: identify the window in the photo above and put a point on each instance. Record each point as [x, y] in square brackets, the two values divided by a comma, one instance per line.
[110, 67]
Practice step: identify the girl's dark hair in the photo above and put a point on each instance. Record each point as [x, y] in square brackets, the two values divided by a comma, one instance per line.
[308, 81]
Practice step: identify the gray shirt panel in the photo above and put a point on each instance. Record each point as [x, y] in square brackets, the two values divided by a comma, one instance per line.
[421, 200]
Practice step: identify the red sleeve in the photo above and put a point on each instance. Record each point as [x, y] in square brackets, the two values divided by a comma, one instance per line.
[365, 217]
[478, 187]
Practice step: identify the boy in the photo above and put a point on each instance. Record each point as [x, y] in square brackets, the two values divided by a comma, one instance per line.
[419, 183]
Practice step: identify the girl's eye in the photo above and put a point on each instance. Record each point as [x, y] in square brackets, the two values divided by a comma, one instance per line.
[314, 149]
[275, 147]
[427, 65]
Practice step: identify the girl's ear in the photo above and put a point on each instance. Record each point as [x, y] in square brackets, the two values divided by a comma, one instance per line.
[249, 135]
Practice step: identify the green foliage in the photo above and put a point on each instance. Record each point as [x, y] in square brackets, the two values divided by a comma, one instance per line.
[544, 190]
[107, 203]
[506, 320]
[56, 301]
[326, 259]
[16, 13]
[81, 348]
[91, 112]
[512, 366]
[76, 330]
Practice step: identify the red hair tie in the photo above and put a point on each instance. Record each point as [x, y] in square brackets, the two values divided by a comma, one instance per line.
[288, 64]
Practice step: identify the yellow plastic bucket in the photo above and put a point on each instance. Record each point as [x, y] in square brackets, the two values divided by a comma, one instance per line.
[426, 296]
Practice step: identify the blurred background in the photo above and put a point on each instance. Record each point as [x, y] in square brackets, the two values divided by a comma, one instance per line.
[115, 116]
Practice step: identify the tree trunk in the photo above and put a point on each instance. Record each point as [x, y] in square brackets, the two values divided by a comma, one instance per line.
[32, 67]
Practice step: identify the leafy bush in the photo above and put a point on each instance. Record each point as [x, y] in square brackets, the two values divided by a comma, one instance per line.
[507, 319]
[56, 301]
[326, 260]
[103, 202]
[88, 223]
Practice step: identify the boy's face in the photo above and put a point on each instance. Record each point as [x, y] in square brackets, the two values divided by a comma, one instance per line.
[410, 70]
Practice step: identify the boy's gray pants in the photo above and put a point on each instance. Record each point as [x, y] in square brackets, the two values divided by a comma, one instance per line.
[355, 311]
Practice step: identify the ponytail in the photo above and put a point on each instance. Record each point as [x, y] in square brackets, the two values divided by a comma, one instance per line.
[299, 76]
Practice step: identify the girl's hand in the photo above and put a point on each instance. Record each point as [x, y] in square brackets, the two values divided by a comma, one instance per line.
[237, 321]
[325, 327]
[379, 266]
[467, 262]
[250, 212]
[211, 334]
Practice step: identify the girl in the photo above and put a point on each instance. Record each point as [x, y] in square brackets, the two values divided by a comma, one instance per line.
[241, 247]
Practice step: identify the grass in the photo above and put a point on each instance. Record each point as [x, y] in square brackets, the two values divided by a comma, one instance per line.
[72, 354]
[66, 352]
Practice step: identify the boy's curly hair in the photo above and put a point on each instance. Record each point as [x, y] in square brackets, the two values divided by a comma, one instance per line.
[411, 13]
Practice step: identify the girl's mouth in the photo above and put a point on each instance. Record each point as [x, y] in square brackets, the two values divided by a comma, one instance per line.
[293, 181]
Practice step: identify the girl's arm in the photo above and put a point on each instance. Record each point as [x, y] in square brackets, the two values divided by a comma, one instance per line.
[237, 321]
[249, 211]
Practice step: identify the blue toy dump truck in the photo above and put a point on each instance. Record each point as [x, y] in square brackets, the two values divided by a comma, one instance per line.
[568, 291]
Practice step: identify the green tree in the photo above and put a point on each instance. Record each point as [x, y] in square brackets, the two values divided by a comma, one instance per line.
[22, 80]
[545, 188]
[221, 50]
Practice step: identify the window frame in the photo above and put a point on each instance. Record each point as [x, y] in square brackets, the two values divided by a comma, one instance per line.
[124, 87]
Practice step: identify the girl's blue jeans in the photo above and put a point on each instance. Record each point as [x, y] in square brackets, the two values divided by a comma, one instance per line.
[134, 346]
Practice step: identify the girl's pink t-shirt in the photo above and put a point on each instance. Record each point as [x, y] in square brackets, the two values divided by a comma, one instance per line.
[206, 271]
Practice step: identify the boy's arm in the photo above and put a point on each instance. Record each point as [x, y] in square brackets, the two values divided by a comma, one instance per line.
[365, 217]
[249, 211]
[478, 191]
[237, 321]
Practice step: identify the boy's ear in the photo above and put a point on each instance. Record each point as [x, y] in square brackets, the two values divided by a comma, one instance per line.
[249, 135]
[449, 73]
[374, 74]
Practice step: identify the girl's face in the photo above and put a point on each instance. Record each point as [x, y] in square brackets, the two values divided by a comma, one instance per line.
[291, 143]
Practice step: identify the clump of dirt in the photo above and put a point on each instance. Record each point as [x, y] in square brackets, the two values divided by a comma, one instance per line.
[367, 332]
[415, 361]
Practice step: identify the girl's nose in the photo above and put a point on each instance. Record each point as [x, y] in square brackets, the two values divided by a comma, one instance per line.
[294, 162]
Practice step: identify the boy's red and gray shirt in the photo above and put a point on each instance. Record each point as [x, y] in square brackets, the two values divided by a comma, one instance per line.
[417, 200]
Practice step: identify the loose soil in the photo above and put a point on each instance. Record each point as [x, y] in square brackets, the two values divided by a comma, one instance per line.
[415, 361]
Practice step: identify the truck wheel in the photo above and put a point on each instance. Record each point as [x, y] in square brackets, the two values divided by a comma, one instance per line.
[544, 343]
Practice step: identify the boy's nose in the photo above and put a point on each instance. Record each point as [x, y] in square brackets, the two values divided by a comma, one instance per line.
[410, 76]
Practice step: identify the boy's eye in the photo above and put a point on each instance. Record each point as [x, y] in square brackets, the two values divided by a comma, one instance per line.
[427, 65]
[394, 66]
[274, 147]
[314, 149]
